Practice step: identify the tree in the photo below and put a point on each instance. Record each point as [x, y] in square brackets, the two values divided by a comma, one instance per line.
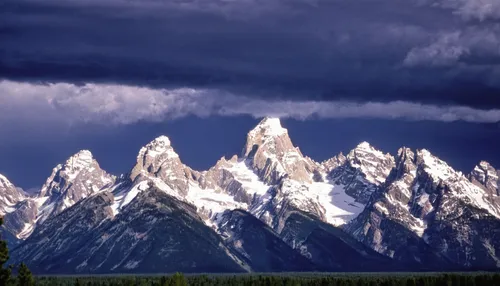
[179, 280]
[5, 272]
[24, 276]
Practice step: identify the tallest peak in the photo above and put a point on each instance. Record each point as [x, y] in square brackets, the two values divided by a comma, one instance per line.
[270, 120]
[267, 132]
[270, 126]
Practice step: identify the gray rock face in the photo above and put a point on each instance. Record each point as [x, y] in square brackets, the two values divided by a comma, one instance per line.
[224, 176]
[273, 156]
[427, 212]
[159, 160]
[20, 222]
[486, 176]
[10, 195]
[283, 200]
[11, 199]
[79, 177]
[361, 171]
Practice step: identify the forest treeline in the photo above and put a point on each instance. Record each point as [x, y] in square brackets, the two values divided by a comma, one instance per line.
[285, 280]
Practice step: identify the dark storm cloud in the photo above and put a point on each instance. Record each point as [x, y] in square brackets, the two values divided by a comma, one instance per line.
[430, 52]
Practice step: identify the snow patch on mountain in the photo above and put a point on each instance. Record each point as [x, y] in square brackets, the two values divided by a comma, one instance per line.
[210, 203]
[248, 179]
[437, 169]
[125, 196]
[340, 208]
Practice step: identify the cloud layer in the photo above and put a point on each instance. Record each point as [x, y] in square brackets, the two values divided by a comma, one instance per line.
[427, 52]
[103, 104]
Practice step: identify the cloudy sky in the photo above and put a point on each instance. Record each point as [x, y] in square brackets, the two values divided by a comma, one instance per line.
[109, 75]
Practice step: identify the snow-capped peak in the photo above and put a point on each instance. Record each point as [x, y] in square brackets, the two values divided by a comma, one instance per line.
[373, 163]
[70, 182]
[81, 160]
[365, 148]
[161, 140]
[156, 155]
[487, 176]
[272, 155]
[436, 168]
[405, 152]
[159, 146]
[269, 133]
[74, 165]
[4, 182]
[9, 195]
[483, 170]
[457, 184]
[268, 127]
[485, 164]
[364, 145]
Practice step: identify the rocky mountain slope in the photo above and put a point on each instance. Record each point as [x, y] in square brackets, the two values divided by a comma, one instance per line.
[269, 209]
[427, 212]
[9, 196]
[79, 177]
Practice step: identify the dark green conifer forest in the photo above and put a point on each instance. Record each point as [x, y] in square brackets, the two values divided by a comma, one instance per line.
[24, 277]
[289, 279]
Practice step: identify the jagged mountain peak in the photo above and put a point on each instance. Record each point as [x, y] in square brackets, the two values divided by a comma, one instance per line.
[4, 182]
[79, 177]
[484, 168]
[159, 162]
[366, 148]
[155, 156]
[270, 134]
[223, 161]
[485, 175]
[162, 138]
[82, 162]
[373, 163]
[273, 156]
[83, 155]
[405, 152]
[456, 184]
[269, 126]
[434, 202]
[405, 161]
[364, 145]
[159, 145]
[9, 195]
[438, 169]
[77, 162]
[485, 165]
[331, 164]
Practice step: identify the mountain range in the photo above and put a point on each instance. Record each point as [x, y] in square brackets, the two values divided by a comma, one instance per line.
[268, 209]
